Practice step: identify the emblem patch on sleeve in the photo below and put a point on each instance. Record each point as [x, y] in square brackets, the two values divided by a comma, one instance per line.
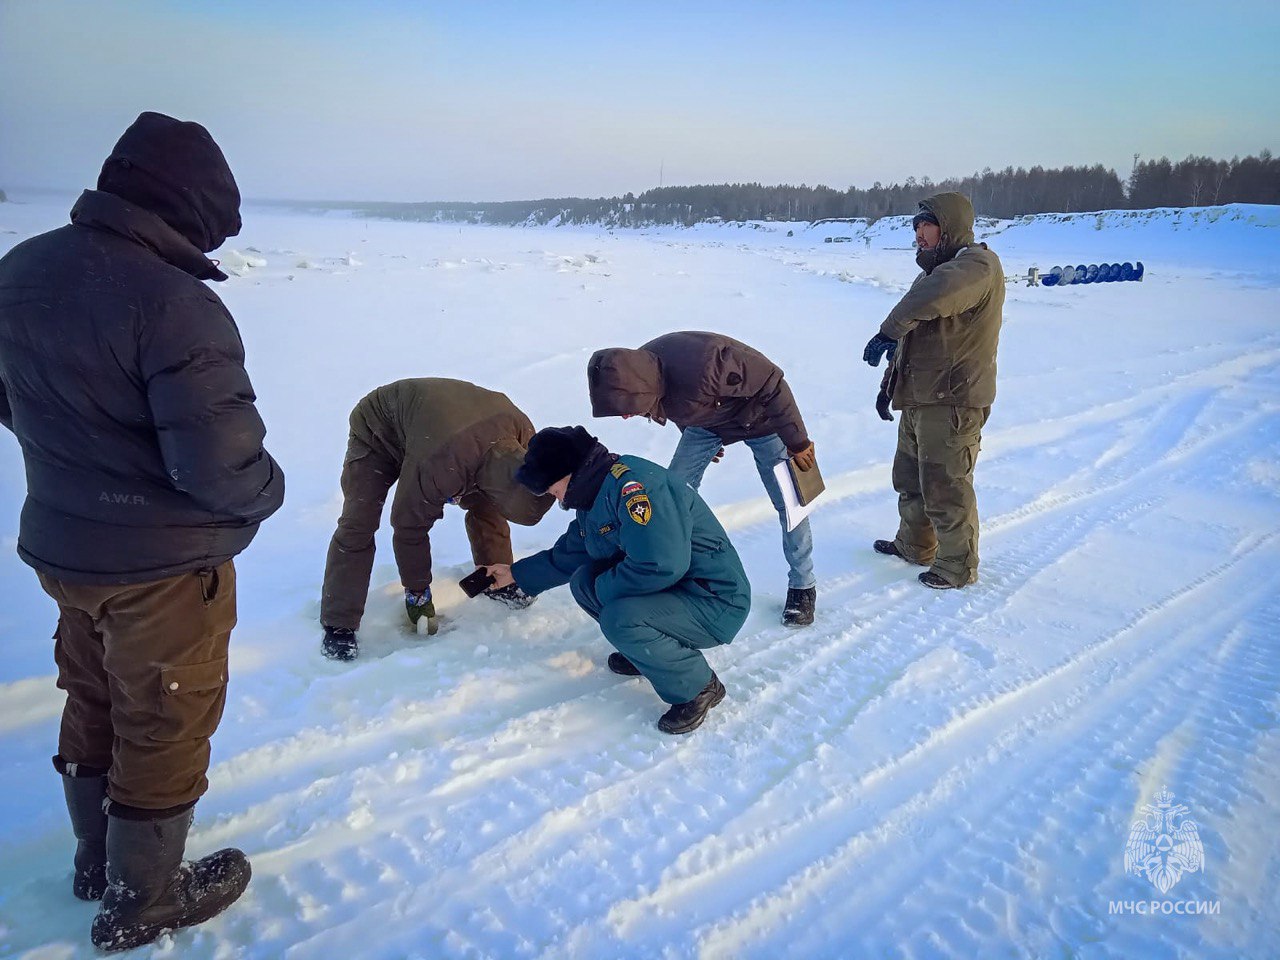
[639, 509]
[635, 486]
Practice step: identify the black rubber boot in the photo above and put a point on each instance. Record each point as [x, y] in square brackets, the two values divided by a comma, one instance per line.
[339, 643]
[151, 890]
[800, 606]
[687, 717]
[622, 666]
[86, 790]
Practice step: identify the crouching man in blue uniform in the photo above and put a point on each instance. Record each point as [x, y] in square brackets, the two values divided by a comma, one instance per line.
[646, 558]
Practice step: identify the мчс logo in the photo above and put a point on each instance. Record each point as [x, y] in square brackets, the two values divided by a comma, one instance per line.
[1163, 844]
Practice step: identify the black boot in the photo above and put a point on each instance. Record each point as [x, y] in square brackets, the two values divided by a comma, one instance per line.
[151, 890]
[339, 643]
[939, 582]
[890, 549]
[85, 790]
[798, 611]
[622, 666]
[686, 717]
[510, 596]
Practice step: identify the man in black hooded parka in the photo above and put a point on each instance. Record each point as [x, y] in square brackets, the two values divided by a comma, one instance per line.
[122, 376]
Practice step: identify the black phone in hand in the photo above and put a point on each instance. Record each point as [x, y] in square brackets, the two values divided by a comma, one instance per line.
[476, 583]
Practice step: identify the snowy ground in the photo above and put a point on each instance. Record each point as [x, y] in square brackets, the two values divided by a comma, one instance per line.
[920, 774]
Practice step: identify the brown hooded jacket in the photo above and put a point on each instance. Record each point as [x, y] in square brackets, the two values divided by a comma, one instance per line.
[697, 379]
[452, 438]
[948, 324]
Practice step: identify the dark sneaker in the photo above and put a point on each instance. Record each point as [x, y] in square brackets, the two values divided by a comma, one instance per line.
[890, 549]
[931, 579]
[339, 643]
[800, 606]
[622, 666]
[687, 717]
[511, 596]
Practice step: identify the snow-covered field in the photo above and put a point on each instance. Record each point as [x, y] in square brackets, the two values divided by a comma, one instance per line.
[920, 774]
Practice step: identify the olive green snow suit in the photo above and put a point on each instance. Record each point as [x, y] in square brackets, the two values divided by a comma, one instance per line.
[943, 379]
[440, 441]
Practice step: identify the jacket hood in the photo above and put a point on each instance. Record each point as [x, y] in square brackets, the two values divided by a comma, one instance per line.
[954, 212]
[623, 381]
[174, 169]
[106, 211]
[497, 480]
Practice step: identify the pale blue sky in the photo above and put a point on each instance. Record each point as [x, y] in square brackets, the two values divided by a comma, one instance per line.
[521, 100]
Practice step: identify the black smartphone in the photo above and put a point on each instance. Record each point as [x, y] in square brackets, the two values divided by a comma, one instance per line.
[476, 583]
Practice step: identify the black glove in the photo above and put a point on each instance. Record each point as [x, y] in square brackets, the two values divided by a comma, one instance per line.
[877, 347]
[882, 405]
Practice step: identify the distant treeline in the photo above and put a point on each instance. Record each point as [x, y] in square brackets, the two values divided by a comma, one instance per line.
[1195, 181]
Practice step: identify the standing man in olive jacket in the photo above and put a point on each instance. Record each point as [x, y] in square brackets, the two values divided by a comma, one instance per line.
[440, 441]
[941, 340]
[646, 558]
[717, 391]
[123, 377]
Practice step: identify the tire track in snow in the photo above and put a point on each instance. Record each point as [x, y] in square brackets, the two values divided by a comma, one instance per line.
[565, 818]
[986, 737]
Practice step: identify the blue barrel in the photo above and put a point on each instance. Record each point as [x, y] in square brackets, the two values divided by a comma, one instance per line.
[1051, 278]
[1091, 275]
[1126, 271]
[1068, 275]
[1110, 272]
[1138, 270]
[1081, 271]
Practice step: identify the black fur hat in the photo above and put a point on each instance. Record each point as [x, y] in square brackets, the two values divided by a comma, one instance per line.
[554, 453]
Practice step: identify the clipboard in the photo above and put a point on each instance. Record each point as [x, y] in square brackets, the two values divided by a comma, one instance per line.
[800, 490]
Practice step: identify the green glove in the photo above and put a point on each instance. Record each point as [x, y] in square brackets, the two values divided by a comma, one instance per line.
[419, 605]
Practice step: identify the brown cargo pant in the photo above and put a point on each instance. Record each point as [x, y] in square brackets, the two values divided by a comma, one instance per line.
[367, 476]
[144, 666]
[933, 475]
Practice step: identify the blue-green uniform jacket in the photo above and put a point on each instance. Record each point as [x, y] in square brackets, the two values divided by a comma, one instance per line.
[646, 532]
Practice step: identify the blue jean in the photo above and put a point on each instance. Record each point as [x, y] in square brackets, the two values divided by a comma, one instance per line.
[693, 455]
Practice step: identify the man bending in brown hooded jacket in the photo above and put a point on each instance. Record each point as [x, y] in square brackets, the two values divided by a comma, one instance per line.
[440, 441]
[718, 391]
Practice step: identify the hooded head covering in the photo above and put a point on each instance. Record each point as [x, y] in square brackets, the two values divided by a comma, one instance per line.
[174, 169]
[554, 453]
[624, 382]
[953, 213]
[497, 480]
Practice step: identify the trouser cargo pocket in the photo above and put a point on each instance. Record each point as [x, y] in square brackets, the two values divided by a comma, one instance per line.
[192, 697]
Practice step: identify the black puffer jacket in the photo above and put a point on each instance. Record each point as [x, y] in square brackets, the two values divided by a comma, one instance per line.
[123, 377]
